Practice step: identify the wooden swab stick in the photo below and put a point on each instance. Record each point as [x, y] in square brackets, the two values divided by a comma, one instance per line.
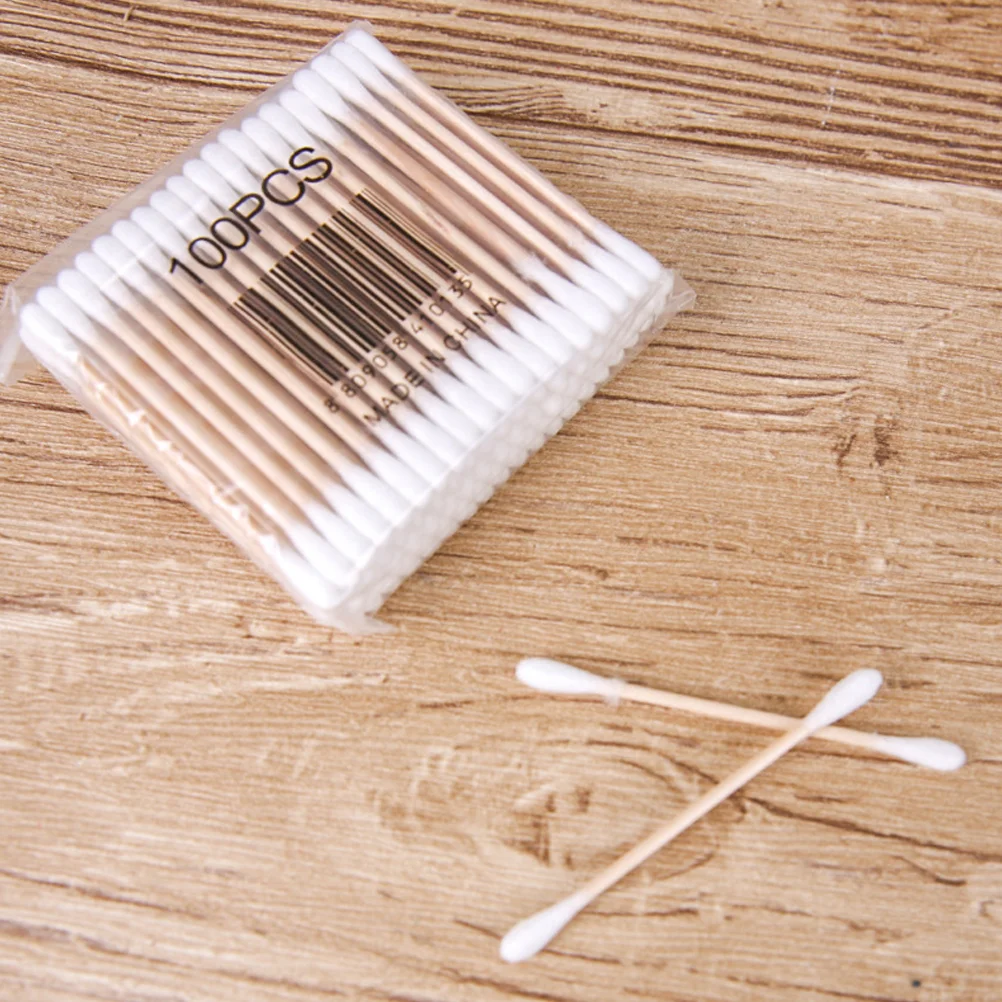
[339, 69]
[302, 224]
[412, 171]
[557, 677]
[167, 450]
[572, 238]
[296, 122]
[354, 158]
[146, 385]
[499, 154]
[299, 120]
[151, 238]
[527, 938]
[185, 199]
[284, 236]
[213, 395]
[235, 155]
[255, 379]
[199, 357]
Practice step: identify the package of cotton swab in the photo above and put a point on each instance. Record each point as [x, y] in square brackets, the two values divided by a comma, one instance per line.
[339, 322]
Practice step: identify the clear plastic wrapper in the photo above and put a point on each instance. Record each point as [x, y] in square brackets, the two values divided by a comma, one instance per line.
[340, 321]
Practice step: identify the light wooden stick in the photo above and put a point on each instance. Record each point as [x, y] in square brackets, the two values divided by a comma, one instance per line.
[572, 239]
[355, 160]
[536, 320]
[254, 370]
[462, 213]
[146, 385]
[172, 454]
[486, 379]
[298, 122]
[494, 150]
[195, 349]
[521, 236]
[527, 938]
[216, 398]
[557, 677]
[150, 237]
[185, 199]
[508, 358]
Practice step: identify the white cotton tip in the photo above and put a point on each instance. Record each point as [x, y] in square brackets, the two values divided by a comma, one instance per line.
[458, 425]
[933, 753]
[374, 492]
[504, 363]
[635, 256]
[86, 295]
[527, 938]
[154, 225]
[125, 263]
[322, 94]
[438, 441]
[423, 461]
[401, 478]
[321, 555]
[271, 145]
[570, 328]
[349, 543]
[537, 362]
[472, 404]
[547, 675]
[625, 276]
[204, 177]
[305, 581]
[106, 278]
[240, 145]
[359, 515]
[341, 78]
[58, 305]
[594, 281]
[44, 328]
[361, 67]
[300, 113]
[185, 204]
[844, 697]
[372, 48]
[226, 163]
[179, 212]
[562, 321]
[487, 378]
[539, 334]
[587, 307]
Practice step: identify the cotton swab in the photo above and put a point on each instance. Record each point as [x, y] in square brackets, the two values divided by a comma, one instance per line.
[531, 935]
[467, 156]
[297, 122]
[235, 513]
[563, 679]
[494, 150]
[341, 70]
[355, 158]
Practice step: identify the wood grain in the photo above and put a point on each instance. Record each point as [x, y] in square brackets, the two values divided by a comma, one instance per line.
[205, 796]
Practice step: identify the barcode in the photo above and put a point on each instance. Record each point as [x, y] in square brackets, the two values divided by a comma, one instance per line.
[348, 287]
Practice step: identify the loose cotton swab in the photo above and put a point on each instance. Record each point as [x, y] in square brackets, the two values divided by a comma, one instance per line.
[531, 935]
[559, 678]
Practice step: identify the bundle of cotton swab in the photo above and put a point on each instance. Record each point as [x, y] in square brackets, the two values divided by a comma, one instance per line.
[530, 936]
[564, 679]
[339, 323]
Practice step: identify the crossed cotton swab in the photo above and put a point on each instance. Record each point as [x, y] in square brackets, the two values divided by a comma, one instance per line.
[564, 679]
[531, 935]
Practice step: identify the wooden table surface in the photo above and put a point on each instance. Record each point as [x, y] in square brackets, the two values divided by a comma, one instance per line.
[205, 796]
